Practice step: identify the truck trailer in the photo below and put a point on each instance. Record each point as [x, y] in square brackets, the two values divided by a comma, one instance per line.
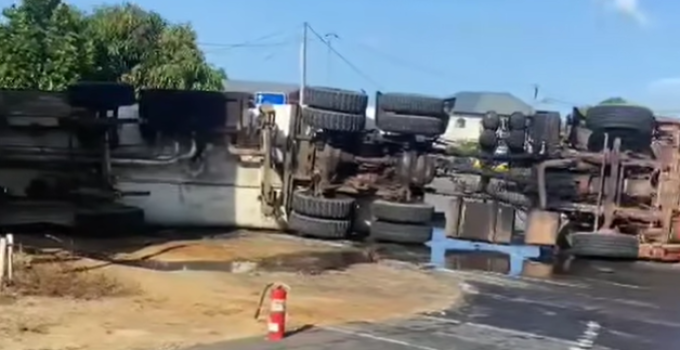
[106, 159]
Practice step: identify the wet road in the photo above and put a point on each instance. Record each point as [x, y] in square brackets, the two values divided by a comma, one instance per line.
[598, 305]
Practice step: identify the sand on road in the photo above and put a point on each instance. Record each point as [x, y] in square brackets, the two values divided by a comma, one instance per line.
[116, 307]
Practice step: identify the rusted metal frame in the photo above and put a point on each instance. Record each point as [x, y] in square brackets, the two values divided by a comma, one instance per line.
[599, 158]
[644, 215]
[660, 252]
[619, 184]
[669, 197]
[269, 199]
[542, 227]
[371, 160]
[327, 161]
[290, 166]
[601, 187]
[404, 171]
[491, 174]
[609, 204]
[541, 169]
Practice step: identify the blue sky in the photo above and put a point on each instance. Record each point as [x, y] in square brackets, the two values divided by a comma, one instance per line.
[577, 51]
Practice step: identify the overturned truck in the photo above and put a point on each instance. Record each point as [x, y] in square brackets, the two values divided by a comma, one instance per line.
[604, 183]
[106, 160]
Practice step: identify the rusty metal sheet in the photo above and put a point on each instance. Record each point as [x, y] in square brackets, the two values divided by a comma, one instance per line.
[542, 227]
[485, 221]
[454, 217]
[536, 269]
[505, 224]
[478, 261]
[660, 252]
[478, 221]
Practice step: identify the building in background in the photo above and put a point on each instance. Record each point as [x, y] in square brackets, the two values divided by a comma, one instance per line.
[255, 87]
[469, 109]
[465, 117]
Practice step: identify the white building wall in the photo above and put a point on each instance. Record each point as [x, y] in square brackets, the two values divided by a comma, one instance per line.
[463, 128]
[370, 117]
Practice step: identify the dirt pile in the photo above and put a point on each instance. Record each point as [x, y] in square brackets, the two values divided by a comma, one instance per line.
[59, 277]
[89, 304]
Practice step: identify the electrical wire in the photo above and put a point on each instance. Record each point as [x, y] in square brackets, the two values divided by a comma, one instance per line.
[233, 46]
[226, 50]
[399, 61]
[256, 42]
[344, 59]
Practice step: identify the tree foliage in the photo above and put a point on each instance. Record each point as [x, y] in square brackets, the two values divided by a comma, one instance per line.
[47, 45]
[43, 46]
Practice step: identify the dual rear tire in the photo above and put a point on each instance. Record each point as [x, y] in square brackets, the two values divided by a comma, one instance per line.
[331, 218]
[320, 217]
[407, 223]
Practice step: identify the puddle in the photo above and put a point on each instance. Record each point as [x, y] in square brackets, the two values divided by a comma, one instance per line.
[304, 263]
[409, 254]
[504, 264]
[479, 261]
[508, 259]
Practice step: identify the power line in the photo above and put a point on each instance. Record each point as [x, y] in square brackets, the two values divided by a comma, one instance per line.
[343, 58]
[227, 50]
[234, 46]
[330, 37]
[248, 43]
[399, 61]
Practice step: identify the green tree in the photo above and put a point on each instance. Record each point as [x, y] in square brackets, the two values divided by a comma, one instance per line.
[139, 47]
[43, 46]
[124, 37]
[177, 63]
[47, 45]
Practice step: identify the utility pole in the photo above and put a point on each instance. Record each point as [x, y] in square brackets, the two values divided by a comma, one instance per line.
[329, 40]
[303, 63]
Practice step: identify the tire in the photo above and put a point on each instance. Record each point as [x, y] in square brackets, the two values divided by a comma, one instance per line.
[604, 245]
[517, 121]
[515, 141]
[305, 203]
[320, 228]
[400, 233]
[545, 129]
[488, 140]
[620, 117]
[336, 100]
[491, 121]
[109, 220]
[409, 124]
[100, 95]
[334, 121]
[411, 104]
[413, 213]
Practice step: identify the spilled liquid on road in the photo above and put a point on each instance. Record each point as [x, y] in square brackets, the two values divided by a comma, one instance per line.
[310, 263]
[501, 264]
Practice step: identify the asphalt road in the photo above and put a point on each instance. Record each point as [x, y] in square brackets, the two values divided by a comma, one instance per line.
[602, 305]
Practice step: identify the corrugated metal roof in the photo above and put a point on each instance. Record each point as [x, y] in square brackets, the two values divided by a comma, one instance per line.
[470, 102]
